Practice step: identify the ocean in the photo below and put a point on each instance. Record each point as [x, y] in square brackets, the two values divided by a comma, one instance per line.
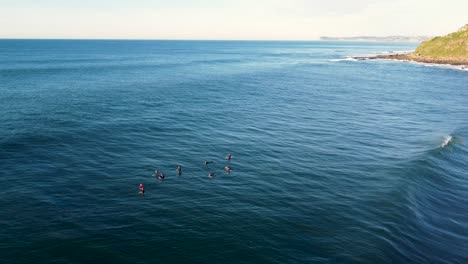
[333, 160]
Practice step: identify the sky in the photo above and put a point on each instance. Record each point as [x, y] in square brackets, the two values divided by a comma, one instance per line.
[228, 19]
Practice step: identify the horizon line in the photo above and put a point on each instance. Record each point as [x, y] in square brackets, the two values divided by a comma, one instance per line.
[158, 39]
[219, 40]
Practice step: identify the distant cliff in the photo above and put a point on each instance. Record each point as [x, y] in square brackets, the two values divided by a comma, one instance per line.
[378, 39]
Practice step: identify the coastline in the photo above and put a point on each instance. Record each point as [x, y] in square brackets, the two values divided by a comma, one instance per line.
[417, 58]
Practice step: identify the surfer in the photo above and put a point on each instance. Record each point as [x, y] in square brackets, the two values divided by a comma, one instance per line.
[156, 173]
[142, 188]
[208, 162]
[211, 175]
[161, 176]
[228, 169]
[179, 170]
[229, 156]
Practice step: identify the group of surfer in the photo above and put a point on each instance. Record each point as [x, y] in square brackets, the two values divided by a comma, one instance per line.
[160, 175]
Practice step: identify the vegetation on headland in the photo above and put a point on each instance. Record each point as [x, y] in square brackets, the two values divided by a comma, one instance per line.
[449, 49]
[451, 45]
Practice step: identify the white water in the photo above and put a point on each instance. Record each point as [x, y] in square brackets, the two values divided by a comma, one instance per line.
[344, 59]
[447, 140]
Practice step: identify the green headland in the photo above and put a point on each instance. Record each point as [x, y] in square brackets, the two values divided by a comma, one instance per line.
[449, 49]
[452, 48]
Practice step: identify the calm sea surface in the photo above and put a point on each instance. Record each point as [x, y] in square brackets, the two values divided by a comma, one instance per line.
[334, 161]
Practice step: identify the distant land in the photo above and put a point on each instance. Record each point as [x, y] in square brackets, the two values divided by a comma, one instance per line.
[379, 39]
[449, 49]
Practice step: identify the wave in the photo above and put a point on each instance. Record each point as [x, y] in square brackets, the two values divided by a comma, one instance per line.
[343, 59]
[400, 51]
[447, 140]
[393, 52]
[435, 65]
[425, 64]
[446, 66]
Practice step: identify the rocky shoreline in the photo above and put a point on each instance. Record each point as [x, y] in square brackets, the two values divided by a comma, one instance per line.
[417, 58]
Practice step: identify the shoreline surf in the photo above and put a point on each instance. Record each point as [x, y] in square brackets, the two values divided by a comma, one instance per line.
[409, 57]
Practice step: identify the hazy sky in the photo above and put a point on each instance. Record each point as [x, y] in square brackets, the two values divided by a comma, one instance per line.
[228, 19]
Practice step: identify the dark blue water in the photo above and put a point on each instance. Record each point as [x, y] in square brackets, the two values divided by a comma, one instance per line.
[333, 161]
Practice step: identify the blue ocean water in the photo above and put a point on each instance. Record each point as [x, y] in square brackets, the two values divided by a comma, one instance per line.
[334, 161]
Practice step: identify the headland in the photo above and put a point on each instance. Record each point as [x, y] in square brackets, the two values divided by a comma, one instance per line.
[450, 49]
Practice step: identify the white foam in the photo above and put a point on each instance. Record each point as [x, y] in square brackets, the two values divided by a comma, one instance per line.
[401, 51]
[393, 52]
[436, 65]
[447, 140]
[344, 59]
[446, 66]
